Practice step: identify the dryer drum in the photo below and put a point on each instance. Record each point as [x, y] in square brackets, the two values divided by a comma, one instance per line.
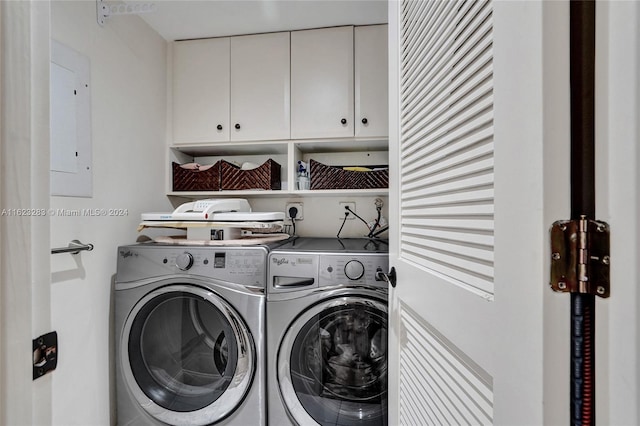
[220, 348]
[174, 339]
[221, 353]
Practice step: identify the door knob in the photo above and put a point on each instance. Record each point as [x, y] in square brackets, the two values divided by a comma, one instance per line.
[365, 121]
[390, 278]
[219, 127]
[343, 121]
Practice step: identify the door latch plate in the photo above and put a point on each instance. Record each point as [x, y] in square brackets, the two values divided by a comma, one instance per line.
[45, 354]
[580, 257]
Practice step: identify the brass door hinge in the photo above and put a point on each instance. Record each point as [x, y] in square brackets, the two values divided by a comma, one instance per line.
[580, 259]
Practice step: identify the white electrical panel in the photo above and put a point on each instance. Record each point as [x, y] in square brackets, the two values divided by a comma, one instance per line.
[70, 118]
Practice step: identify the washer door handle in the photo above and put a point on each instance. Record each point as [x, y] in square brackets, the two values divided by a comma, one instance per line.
[289, 282]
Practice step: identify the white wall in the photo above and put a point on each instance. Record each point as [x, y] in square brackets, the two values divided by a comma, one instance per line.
[321, 215]
[128, 101]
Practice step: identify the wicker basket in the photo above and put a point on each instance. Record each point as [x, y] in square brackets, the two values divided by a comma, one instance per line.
[266, 176]
[196, 180]
[328, 177]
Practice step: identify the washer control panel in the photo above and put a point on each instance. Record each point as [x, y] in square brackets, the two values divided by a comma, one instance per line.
[352, 269]
[290, 271]
[241, 265]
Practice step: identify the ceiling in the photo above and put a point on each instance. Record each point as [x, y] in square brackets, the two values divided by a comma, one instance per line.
[189, 19]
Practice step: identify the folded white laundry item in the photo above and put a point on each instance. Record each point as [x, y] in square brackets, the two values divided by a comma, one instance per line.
[196, 166]
[249, 166]
[190, 166]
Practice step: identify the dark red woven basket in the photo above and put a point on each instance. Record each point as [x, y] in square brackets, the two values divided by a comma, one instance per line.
[329, 177]
[196, 180]
[266, 176]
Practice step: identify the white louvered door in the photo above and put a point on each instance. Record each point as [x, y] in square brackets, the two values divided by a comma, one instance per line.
[469, 162]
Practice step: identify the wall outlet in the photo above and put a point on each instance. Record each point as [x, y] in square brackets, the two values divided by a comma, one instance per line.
[298, 213]
[343, 209]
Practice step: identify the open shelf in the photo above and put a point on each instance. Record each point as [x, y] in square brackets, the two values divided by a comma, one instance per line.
[231, 149]
[281, 193]
[287, 153]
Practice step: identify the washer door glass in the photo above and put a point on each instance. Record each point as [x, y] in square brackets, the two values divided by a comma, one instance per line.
[338, 364]
[182, 351]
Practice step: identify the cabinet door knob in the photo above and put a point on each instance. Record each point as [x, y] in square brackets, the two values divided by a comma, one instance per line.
[343, 121]
[365, 121]
[219, 127]
[237, 126]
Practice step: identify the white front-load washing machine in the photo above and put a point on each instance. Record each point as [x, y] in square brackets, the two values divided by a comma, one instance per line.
[327, 332]
[189, 324]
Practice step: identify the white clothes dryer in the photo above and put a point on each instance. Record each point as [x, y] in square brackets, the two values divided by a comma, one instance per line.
[189, 324]
[327, 332]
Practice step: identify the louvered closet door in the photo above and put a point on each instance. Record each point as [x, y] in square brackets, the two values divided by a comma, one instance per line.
[469, 202]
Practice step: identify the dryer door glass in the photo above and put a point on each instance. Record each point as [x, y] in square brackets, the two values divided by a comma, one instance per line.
[338, 365]
[182, 351]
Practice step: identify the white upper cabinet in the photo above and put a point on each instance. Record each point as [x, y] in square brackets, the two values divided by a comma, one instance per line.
[322, 89]
[260, 87]
[294, 96]
[231, 89]
[371, 81]
[201, 90]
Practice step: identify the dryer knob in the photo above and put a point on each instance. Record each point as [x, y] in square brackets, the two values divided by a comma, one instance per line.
[184, 261]
[354, 270]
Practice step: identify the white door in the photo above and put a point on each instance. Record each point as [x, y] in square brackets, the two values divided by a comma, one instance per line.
[618, 203]
[322, 83]
[479, 155]
[260, 81]
[25, 275]
[475, 187]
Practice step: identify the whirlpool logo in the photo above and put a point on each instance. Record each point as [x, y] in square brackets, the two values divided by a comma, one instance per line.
[280, 261]
[127, 253]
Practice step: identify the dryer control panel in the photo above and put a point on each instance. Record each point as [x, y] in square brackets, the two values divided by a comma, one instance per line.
[237, 265]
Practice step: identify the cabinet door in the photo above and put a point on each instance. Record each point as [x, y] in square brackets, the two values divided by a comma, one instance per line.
[371, 81]
[322, 83]
[260, 86]
[201, 90]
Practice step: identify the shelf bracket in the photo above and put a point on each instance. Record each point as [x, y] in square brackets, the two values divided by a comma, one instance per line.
[105, 10]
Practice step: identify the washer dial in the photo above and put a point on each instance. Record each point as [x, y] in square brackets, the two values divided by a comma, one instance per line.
[354, 270]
